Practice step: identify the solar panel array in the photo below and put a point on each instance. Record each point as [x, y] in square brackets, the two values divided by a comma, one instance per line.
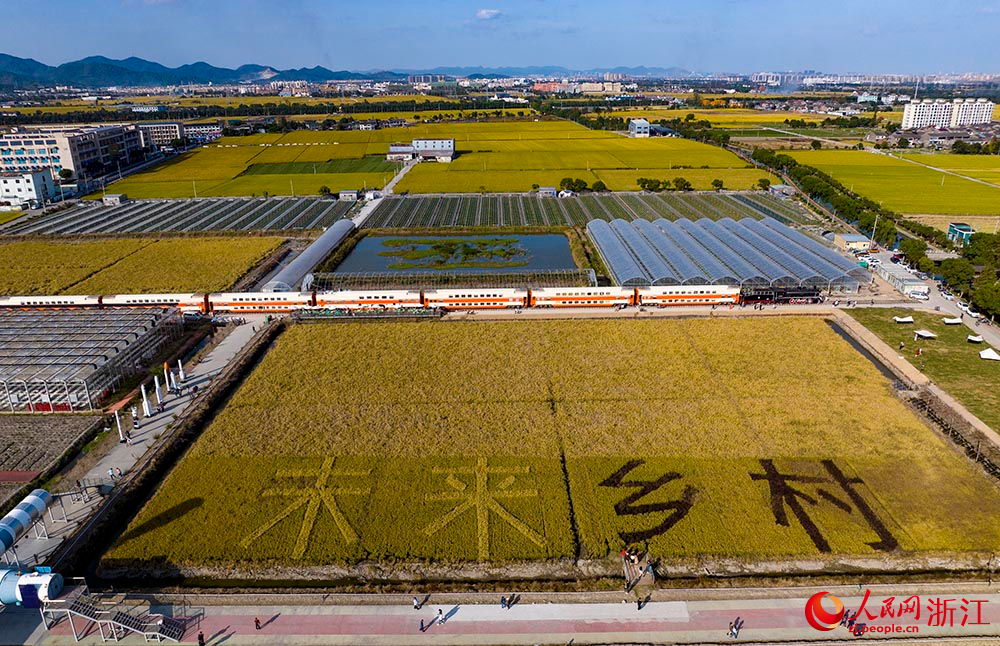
[764, 253]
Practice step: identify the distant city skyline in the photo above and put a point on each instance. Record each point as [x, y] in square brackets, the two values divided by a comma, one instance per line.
[712, 36]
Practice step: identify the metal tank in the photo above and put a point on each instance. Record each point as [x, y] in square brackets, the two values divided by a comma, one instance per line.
[47, 586]
[17, 522]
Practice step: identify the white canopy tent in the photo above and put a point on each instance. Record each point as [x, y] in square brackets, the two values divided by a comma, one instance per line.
[951, 321]
[923, 334]
[989, 354]
[972, 338]
[903, 319]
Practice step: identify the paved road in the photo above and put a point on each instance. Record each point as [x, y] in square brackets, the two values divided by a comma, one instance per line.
[674, 617]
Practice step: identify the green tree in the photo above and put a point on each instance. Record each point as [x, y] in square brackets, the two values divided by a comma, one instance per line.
[957, 272]
[903, 143]
[682, 184]
[599, 187]
[65, 174]
[913, 249]
[324, 190]
[534, 187]
[566, 183]
[926, 265]
[689, 116]
[816, 144]
[717, 184]
[983, 249]
[764, 183]
[986, 291]
[579, 185]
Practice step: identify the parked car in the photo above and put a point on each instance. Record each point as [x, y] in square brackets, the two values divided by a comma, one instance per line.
[962, 305]
[947, 296]
[973, 313]
[874, 261]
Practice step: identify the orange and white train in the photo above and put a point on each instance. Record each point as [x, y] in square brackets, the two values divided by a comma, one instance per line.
[446, 299]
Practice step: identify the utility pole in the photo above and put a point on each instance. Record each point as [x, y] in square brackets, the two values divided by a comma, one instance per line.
[195, 187]
[871, 245]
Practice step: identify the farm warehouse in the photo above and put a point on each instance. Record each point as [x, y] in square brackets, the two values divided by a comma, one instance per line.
[409, 456]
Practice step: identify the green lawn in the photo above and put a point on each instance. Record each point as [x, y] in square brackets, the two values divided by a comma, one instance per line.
[949, 360]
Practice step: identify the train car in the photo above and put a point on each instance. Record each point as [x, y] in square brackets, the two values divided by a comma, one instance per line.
[45, 302]
[186, 302]
[667, 296]
[582, 296]
[475, 299]
[260, 302]
[784, 295]
[380, 299]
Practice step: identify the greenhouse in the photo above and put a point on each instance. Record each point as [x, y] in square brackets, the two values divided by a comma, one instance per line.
[68, 360]
[748, 252]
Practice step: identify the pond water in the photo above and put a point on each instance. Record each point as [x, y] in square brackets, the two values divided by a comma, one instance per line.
[472, 254]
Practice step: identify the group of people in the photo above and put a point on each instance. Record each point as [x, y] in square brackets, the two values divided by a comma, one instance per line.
[734, 628]
[850, 622]
[849, 303]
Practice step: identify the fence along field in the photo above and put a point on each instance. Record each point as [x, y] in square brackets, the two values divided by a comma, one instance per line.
[129, 266]
[148, 216]
[692, 435]
[531, 210]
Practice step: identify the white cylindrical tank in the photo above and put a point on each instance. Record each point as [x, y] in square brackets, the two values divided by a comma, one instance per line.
[14, 525]
[47, 586]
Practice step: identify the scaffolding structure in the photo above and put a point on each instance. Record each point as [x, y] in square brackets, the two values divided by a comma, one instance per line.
[455, 280]
[68, 360]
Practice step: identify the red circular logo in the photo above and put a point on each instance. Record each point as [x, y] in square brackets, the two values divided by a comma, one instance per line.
[819, 618]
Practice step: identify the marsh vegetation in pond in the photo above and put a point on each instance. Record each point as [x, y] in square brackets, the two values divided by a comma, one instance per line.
[459, 253]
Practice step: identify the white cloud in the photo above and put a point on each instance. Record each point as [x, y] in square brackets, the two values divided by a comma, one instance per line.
[488, 14]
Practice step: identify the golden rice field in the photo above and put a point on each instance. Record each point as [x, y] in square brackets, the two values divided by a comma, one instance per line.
[902, 186]
[493, 156]
[982, 167]
[129, 266]
[468, 441]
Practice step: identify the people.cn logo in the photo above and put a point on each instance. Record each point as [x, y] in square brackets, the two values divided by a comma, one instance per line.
[819, 618]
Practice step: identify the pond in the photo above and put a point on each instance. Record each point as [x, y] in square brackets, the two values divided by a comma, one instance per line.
[473, 254]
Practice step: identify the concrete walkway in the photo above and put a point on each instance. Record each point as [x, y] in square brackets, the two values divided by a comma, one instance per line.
[770, 617]
[76, 509]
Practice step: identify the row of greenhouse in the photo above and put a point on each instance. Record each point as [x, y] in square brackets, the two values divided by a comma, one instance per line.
[747, 252]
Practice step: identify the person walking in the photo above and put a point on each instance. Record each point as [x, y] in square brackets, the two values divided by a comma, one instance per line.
[422, 627]
[503, 602]
[201, 638]
[416, 603]
[440, 617]
[118, 472]
[256, 623]
[111, 473]
[732, 627]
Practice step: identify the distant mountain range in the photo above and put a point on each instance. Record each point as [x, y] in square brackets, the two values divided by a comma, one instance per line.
[99, 71]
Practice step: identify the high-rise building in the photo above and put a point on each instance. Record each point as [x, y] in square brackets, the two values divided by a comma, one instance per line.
[946, 114]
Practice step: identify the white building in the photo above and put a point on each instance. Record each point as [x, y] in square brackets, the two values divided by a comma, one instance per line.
[442, 150]
[638, 128]
[160, 134]
[85, 150]
[203, 131]
[601, 88]
[24, 190]
[946, 114]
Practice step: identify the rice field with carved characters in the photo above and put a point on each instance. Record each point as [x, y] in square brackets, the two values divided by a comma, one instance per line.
[544, 440]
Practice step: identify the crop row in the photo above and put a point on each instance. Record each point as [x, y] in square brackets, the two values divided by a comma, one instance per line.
[529, 210]
[213, 214]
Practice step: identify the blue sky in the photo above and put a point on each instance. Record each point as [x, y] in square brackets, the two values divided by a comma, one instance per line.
[911, 36]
